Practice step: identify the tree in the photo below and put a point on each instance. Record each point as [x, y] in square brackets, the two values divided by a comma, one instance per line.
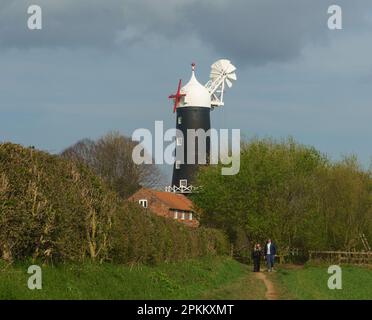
[111, 158]
[291, 193]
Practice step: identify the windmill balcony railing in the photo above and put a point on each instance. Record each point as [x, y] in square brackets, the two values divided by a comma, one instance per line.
[181, 189]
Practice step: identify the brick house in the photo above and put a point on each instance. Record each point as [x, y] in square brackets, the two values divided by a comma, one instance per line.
[167, 204]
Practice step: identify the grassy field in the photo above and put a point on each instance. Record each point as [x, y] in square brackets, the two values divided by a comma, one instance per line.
[205, 278]
[210, 277]
[310, 282]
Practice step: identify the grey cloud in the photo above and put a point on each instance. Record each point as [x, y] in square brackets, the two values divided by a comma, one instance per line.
[66, 23]
[257, 31]
[248, 31]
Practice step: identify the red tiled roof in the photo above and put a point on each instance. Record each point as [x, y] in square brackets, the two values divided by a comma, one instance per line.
[172, 200]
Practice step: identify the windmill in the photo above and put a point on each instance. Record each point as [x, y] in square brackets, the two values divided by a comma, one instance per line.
[193, 104]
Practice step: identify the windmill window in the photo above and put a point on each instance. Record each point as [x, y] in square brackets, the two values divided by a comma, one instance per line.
[183, 183]
[143, 203]
[179, 120]
[178, 164]
[179, 141]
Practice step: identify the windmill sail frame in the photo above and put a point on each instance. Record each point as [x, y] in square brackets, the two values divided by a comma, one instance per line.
[222, 71]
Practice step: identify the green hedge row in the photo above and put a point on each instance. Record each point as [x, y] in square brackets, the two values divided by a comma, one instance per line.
[141, 236]
[54, 211]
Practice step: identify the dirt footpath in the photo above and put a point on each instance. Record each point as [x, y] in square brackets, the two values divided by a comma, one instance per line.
[270, 294]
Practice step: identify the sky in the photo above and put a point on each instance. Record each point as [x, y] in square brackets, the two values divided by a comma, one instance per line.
[99, 66]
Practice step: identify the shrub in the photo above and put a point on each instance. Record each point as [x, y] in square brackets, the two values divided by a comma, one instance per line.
[55, 210]
[142, 237]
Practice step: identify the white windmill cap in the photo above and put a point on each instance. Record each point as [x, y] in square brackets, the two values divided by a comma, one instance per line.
[196, 94]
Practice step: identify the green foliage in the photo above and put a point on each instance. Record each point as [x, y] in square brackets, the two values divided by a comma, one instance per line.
[143, 237]
[51, 209]
[54, 210]
[290, 193]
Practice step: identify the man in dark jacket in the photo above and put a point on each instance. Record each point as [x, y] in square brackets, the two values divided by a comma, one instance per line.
[270, 252]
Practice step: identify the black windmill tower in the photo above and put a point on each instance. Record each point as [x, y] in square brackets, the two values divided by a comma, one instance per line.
[193, 104]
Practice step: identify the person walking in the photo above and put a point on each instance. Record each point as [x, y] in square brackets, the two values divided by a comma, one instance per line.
[270, 252]
[256, 257]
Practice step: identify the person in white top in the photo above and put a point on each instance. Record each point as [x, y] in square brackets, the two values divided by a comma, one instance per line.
[270, 252]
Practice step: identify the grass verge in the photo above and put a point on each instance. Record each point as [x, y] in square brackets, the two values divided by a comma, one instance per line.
[311, 283]
[208, 277]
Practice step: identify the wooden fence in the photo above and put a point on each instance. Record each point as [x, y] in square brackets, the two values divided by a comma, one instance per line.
[342, 257]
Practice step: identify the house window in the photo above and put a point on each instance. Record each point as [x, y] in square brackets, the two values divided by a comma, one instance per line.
[143, 203]
[178, 164]
[190, 216]
[176, 214]
[179, 120]
[183, 183]
[179, 141]
[183, 215]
